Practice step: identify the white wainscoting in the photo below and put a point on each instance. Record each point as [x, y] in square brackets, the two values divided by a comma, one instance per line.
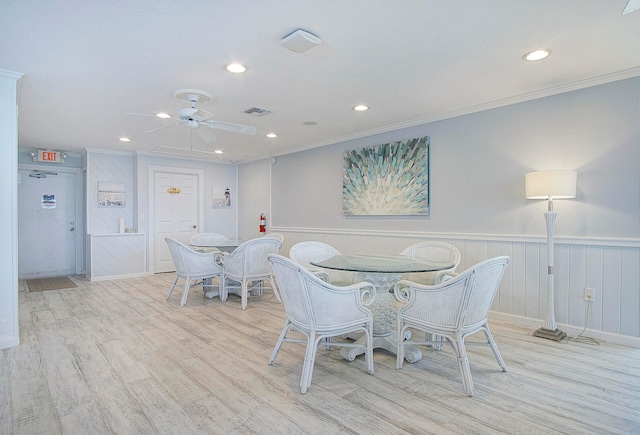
[114, 256]
[611, 266]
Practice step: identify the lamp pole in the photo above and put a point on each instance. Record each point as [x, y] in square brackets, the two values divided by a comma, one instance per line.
[550, 329]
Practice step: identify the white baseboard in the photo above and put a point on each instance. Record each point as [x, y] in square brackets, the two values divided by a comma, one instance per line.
[9, 341]
[609, 337]
[110, 277]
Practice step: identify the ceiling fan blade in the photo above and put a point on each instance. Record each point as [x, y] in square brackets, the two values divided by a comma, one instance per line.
[164, 126]
[632, 5]
[228, 126]
[140, 114]
[206, 135]
[207, 112]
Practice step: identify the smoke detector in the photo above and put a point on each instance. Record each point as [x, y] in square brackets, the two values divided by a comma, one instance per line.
[300, 41]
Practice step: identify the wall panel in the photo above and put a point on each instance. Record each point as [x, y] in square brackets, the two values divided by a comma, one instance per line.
[522, 294]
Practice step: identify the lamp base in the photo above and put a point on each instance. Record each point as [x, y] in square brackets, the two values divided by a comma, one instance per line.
[551, 334]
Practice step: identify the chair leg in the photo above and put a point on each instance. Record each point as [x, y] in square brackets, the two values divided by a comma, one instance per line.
[175, 281]
[307, 367]
[185, 293]
[222, 289]
[283, 334]
[463, 364]
[244, 294]
[400, 349]
[494, 348]
[368, 356]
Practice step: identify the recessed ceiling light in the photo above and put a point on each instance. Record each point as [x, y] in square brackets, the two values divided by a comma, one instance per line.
[360, 108]
[537, 54]
[163, 115]
[125, 139]
[271, 135]
[236, 68]
[218, 152]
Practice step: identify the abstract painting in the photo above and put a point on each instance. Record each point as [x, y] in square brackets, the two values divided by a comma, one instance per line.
[387, 180]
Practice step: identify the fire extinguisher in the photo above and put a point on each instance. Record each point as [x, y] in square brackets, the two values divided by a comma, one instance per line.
[263, 223]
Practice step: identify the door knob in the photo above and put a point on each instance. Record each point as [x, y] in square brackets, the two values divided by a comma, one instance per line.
[194, 227]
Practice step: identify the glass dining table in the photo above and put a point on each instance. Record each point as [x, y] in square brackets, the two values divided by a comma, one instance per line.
[224, 246]
[383, 271]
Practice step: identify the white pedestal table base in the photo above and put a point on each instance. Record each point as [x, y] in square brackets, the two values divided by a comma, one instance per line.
[384, 309]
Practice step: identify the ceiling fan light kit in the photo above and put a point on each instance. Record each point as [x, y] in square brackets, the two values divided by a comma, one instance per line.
[300, 41]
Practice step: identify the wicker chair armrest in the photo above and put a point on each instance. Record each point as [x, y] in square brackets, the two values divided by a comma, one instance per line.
[200, 260]
[367, 292]
[402, 290]
[445, 275]
[219, 257]
[322, 275]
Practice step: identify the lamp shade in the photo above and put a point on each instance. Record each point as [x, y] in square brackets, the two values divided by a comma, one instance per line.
[550, 184]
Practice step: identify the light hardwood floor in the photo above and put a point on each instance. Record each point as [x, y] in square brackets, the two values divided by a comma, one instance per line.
[114, 357]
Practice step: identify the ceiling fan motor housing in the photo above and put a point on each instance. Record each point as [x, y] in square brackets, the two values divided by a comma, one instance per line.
[188, 113]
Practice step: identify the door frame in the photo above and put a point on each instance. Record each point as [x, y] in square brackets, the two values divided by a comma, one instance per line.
[80, 236]
[153, 171]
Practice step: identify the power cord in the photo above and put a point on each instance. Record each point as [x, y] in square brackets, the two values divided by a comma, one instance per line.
[582, 339]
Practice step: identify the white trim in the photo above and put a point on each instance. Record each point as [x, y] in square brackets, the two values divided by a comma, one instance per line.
[542, 93]
[572, 331]
[80, 238]
[573, 240]
[106, 151]
[10, 88]
[9, 341]
[129, 275]
[153, 169]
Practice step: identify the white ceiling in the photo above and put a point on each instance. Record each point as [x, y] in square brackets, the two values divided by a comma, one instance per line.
[88, 63]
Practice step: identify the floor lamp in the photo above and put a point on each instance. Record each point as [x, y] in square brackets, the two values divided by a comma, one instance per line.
[550, 185]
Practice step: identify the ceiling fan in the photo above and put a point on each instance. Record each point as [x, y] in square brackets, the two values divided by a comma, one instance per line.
[631, 6]
[198, 119]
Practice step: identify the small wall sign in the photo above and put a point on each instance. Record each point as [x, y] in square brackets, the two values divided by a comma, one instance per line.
[48, 200]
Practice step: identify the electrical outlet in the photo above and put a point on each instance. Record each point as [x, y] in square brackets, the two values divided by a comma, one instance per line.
[589, 294]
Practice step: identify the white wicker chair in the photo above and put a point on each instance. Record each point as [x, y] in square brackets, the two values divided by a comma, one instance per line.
[305, 252]
[248, 263]
[190, 266]
[432, 250]
[321, 311]
[453, 310]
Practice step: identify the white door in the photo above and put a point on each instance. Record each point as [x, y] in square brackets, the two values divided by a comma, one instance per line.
[46, 223]
[176, 214]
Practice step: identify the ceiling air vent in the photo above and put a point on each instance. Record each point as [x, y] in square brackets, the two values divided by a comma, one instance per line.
[257, 111]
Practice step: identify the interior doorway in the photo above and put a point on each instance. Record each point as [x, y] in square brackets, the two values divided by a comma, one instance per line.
[49, 233]
[175, 209]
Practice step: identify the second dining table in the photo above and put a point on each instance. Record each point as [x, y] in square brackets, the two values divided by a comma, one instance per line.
[382, 271]
[224, 246]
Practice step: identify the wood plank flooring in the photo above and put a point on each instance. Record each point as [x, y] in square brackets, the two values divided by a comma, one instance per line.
[114, 357]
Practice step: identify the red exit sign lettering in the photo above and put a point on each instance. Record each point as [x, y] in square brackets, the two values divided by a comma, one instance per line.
[50, 156]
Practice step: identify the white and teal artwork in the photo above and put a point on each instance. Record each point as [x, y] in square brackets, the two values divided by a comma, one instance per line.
[387, 180]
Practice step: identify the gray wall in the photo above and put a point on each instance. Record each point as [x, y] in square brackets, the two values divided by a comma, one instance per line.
[477, 167]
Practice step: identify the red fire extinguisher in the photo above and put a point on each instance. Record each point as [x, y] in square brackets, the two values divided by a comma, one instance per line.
[263, 223]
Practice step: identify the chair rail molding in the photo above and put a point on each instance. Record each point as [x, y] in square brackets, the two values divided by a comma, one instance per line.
[609, 265]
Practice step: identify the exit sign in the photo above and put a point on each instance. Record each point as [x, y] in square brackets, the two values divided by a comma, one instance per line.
[49, 156]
